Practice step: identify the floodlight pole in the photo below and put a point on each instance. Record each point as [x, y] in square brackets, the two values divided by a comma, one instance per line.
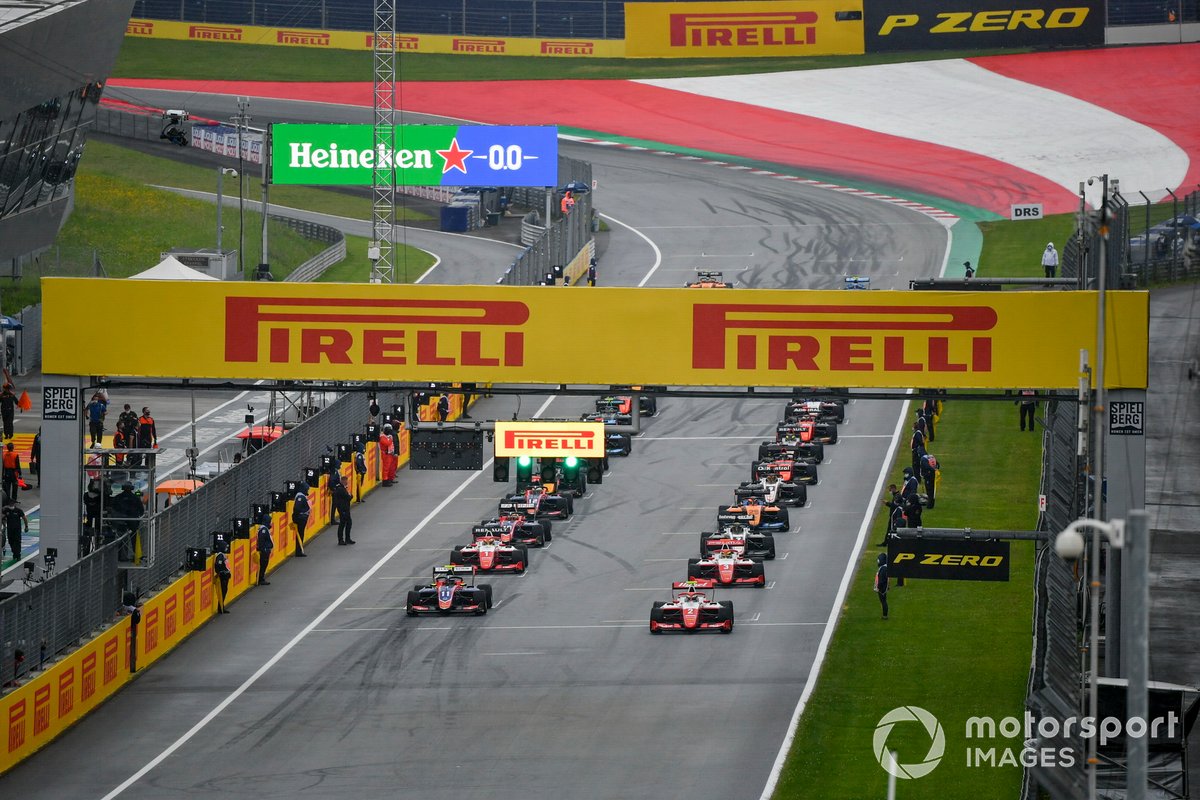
[241, 118]
[1098, 422]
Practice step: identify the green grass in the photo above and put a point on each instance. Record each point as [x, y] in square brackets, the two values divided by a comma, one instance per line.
[104, 158]
[1013, 249]
[955, 648]
[144, 58]
[410, 264]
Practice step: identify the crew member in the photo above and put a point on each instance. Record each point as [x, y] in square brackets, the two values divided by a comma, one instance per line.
[341, 504]
[300, 511]
[929, 473]
[265, 544]
[12, 471]
[387, 446]
[881, 582]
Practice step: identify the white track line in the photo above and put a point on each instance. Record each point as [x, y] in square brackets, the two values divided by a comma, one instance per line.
[831, 623]
[649, 241]
[309, 628]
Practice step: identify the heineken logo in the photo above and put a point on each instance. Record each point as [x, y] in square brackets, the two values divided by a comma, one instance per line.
[421, 155]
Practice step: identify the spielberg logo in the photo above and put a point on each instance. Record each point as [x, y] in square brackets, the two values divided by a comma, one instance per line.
[850, 338]
[484, 333]
[752, 29]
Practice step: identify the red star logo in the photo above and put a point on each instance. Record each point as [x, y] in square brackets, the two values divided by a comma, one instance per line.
[455, 158]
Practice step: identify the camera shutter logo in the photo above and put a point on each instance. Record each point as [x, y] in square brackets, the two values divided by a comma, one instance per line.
[937, 746]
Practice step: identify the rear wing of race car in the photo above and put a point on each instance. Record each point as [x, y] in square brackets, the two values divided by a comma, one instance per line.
[524, 508]
[724, 516]
[487, 530]
[694, 585]
[454, 569]
[710, 275]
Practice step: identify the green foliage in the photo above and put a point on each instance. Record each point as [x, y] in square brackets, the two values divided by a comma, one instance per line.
[146, 58]
[955, 648]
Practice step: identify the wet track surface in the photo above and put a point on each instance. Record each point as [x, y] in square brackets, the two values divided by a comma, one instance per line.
[560, 691]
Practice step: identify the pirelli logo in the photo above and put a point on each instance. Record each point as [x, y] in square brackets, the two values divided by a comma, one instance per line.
[752, 29]
[41, 709]
[87, 672]
[423, 333]
[66, 692]
[304, 38]
[139, 27]
[16, 726]
[549, 439]
[844, 338]
[398, 42]
[214, 33]
[567, 48]
[477, 45]
[110, 659]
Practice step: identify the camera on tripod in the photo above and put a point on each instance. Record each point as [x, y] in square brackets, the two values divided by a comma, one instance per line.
[173, 132]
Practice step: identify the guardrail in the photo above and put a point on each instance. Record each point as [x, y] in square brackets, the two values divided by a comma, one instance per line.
[336, 252]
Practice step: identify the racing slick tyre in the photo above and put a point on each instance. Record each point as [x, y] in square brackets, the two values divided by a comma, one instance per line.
[833, 433]
[523, 550]
[626, 443]
[570, 506]
[801, 496]
[456, 556]
[787, 522]
[754, 470]
[819, 451]
[693, 569]
[545, 523]
[486, 588]
[413, 597]
[725, 615]
[656, 616]
[760, 573]
[769, 546]
[651, 406]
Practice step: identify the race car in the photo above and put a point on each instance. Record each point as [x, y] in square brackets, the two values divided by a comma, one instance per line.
[539, 502]
[514, 529]
[489, 554]
[788, 469]
[726, 568]
[615, 444]
[450, 592]
[611, 409]
[691, 609]
[738, 538]
[822, 409]
[789, 445]
[707, 279]
[773, 490]
[808, 428]
[754, 513]
[647, 404]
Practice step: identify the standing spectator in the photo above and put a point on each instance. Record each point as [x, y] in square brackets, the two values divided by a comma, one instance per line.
[301, 509]
[387, 446]
[119, 442]
[567, 203]
[127, 422]
[221, 569]
[929, 473]
[35, 457]
[96, 409]
[127, 512]
[1028, 405]
[341, 504]
[917, 444]
[264, 544]
[443, 407]
[14, 522]
[147, 433]
[12, 471]
[592, 272]
[91, 508]
[881, 582]
[1050, 260]
[8, 407]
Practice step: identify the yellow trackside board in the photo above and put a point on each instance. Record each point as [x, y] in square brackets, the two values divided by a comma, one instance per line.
[687, 337]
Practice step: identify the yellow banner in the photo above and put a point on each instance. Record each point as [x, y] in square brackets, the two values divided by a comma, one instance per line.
[506, 334]
[744, 29]
[359, 40]
[554, 439]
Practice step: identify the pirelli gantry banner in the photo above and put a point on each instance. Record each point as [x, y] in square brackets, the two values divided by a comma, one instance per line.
[958, 25]
[743, 29]
[358, 40]
[502, 334]
[553, 439]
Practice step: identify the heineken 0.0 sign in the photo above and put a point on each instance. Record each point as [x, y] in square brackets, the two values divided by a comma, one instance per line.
[421, 155]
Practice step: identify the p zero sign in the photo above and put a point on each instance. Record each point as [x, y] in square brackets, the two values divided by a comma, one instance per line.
[552, 439]
[948, 559]
[978, 24]
[743, 29]
[509, 334]
[420, 155]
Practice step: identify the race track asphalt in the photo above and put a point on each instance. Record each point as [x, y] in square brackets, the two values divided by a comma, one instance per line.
[560, 691]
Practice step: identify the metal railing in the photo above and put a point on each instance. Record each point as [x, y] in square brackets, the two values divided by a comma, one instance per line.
[1150, 252]
[336, 252]
[54, 615]
[564, 238]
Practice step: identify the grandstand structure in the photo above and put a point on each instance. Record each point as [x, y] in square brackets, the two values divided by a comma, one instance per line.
[55, 58]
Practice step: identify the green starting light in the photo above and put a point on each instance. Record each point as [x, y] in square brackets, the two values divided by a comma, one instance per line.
[570, 461]
[524, 461]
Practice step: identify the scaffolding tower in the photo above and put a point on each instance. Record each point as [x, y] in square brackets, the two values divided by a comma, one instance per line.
[383, 190]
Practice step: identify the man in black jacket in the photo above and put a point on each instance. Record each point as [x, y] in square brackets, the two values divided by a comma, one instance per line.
[341, 504]
[881, 582]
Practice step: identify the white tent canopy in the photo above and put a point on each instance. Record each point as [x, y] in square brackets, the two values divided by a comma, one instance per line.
[170, 269]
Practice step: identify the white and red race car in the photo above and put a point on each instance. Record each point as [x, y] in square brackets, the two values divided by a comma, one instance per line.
[690, 610]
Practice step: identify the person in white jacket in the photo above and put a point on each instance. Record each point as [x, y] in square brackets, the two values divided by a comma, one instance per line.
[1050, 260]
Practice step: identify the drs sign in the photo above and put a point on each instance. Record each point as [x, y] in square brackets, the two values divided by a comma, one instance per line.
[417, 155]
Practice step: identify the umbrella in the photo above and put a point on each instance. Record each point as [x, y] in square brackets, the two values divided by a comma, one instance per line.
[10, 323]
[576, 187]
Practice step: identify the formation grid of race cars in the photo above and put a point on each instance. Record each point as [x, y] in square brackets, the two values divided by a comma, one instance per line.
[732, 555]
